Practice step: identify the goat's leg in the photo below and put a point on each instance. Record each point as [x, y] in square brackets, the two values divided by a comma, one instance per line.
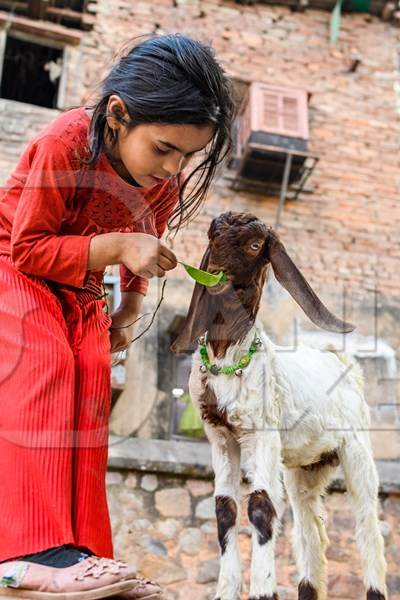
[225, 453]
[264, 509]
[362, 485]
[310, 541]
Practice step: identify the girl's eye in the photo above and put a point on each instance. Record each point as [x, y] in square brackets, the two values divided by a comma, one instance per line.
[160, 150]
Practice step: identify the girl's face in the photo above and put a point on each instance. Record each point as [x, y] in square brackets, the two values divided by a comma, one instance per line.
[151, 153]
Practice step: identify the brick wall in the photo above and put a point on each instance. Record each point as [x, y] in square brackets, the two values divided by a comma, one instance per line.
[349, 225]
[18, 123]
[345, 234]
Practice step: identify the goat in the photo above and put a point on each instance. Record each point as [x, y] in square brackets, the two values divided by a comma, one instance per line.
[298, 413]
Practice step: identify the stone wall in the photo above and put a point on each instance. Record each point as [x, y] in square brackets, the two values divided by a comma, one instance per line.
[162, 511]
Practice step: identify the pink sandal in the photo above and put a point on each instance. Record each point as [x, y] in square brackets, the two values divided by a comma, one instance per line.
[89, 579]
[143, 589]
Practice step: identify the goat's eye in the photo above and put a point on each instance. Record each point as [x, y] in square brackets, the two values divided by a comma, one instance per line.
[255, 246]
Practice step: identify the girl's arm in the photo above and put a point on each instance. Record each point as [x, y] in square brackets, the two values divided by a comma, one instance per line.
[121, 332]
[131, 282]
[143, 254]
[38, 249]
[47, 183]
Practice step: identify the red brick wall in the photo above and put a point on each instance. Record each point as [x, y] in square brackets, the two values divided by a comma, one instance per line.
[344, 235]
[346, 232]
[349, 226]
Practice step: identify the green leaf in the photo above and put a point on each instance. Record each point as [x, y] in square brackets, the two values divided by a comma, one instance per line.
[335, 21]
[203, 277]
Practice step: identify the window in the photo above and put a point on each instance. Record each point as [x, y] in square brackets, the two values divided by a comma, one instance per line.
[35, 39]
[69, 13]
[32, 72]
[271, 135]
[280, 110]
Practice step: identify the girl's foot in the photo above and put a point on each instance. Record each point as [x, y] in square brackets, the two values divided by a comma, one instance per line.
[90, 579]
[59, 556]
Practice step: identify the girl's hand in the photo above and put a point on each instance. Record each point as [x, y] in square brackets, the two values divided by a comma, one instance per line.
[146, 255]
[121, 336]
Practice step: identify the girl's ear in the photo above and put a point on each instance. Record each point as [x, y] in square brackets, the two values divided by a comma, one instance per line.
[116, 112]
[196, 321]
[294, 282]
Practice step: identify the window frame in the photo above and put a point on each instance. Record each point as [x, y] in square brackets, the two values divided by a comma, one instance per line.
[26, 37]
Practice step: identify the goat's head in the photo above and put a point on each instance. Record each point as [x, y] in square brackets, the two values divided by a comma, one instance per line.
[243, 247]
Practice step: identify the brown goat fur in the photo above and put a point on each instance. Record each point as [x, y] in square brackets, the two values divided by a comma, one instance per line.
[243, 247]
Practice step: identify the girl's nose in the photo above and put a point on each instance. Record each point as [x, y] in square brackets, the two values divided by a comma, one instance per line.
[173, 165]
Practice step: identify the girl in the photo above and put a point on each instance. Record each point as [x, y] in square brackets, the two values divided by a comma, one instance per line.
[97, 187]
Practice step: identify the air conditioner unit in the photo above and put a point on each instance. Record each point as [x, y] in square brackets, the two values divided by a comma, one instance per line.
[272, 123]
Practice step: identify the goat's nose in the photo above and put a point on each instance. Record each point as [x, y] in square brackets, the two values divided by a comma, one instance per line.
[214, 269]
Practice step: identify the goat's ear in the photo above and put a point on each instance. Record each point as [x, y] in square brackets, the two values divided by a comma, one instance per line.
[195, 323]
[294, 282]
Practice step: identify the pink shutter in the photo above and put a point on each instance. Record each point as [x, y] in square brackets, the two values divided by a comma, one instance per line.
[279, 110]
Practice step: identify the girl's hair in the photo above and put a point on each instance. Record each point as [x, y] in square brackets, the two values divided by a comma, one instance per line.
[171, 79]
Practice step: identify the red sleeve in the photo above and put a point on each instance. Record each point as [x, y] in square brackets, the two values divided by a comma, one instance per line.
[129, 282]
[135, 283]
[49, 185]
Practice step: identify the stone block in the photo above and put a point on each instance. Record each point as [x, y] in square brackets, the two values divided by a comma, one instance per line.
[173, 502]
[199, 487]
[149, 483]
[190, 541]
[162, 569]
[208, 571]
[206, 509]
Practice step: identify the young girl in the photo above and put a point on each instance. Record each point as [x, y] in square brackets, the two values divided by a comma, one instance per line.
[97, 187]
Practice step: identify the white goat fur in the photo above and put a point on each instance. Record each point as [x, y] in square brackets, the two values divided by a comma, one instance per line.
[288, 408]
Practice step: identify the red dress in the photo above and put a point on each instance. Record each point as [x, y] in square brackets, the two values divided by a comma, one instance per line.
[54, 335]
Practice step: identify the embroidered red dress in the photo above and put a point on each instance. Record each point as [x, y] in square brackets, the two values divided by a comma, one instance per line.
[54, 336]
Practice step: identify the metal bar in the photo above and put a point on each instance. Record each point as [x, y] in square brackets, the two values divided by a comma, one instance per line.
[279, 150]
[284, 188]
[306, 175]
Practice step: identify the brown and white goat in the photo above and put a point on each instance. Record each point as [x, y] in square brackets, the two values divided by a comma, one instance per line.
[298, 413]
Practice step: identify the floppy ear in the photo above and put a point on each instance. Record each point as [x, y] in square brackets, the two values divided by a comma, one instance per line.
[294, 282]
[196, 320]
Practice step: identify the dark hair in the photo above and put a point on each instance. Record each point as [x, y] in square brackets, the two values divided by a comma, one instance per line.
[171, 79]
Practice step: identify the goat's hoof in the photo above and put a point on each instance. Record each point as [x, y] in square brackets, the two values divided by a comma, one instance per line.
[214, 369]
[374, 595]
[258, 342]
[202, 340]
[239, 372]
[203, 368]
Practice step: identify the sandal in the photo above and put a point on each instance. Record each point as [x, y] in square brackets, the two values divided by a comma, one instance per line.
[142, 589]
[90, 579]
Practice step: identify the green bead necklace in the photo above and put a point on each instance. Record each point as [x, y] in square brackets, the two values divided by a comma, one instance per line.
[236, 368]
